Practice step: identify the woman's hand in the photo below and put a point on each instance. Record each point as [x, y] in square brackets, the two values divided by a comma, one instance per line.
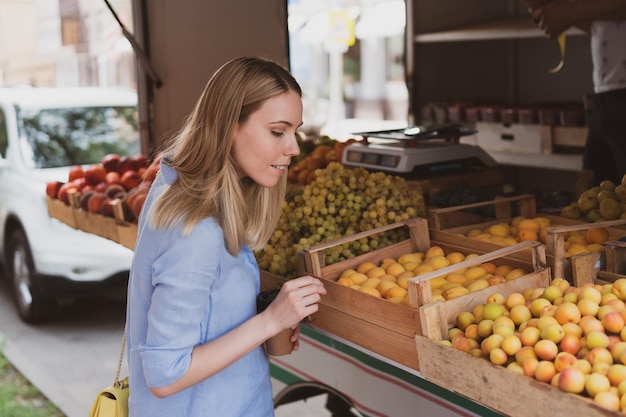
[297, 299]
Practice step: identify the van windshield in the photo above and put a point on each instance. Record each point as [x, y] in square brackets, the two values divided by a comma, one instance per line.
[77, 136]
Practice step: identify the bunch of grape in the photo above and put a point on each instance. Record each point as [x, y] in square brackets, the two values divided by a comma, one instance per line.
[341, 201]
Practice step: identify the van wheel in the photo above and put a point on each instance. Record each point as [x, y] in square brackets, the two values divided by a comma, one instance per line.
[32, 306]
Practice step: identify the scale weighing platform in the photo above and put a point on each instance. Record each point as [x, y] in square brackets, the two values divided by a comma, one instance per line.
[416, 150]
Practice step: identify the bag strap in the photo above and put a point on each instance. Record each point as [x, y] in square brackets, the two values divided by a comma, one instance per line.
[117, 381]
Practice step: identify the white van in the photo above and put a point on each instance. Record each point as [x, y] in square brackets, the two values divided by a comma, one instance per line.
[43, 132]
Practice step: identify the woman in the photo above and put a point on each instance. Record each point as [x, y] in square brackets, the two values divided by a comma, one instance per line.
[194, 338]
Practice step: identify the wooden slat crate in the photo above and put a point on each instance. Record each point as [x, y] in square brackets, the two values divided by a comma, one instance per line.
[498, 388]
[420, 292]
[555, 244]
[62, 212]
[600, 268]
[385, 327]
[453, 223]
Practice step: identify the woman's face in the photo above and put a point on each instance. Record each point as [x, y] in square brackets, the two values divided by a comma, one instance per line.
[264, 144]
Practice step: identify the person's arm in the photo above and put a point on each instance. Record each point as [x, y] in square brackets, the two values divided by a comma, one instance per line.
[556, 16]
[297, 299]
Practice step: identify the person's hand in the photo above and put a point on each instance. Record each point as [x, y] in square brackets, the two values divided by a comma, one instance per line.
[297, 299]
[552, 17]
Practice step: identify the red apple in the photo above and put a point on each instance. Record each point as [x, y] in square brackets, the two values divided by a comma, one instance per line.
[127, 164]
[76, 172]
[152, 170]
[101, 186]
[138, 203]
[94, 204]
[130, 179]
[64, 190]
[95, 174]
[52, 188]
[142, 160]
[84, 199]
[106, 208]
[111, 162]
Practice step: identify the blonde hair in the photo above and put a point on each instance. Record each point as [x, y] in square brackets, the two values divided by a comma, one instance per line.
[209, 183]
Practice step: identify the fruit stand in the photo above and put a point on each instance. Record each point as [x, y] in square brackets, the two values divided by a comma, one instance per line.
[404, 333]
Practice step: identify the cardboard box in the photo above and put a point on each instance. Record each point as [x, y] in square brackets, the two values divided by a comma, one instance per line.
[529, 138]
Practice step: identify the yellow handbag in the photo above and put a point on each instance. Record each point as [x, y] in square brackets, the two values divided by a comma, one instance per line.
[113, 400]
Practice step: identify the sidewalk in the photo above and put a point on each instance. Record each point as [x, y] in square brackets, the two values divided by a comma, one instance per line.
[73, 358]
[69, 360]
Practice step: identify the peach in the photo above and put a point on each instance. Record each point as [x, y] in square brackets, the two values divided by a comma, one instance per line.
[564, 360]
[498, 356]
[546, 349]
[485, 328]
[608, 399]
[570, 344]
[617, 350]
[514, 299]
[471, 332]
[573, 329]
[616, 374]
[492, 311]
[591, 324]
[613, 322]
[619, 288]
[511, 344]
[572, 380]
[520, 313]
[599, 355]
[597, 338]
[515, 367]
[545, 371]
[590, 293]
[492, 342]
[600, 368]
[552, 292]
[530, 336]
[553, 332]
[523, 353]
[583, 365]
[567, 312]
[544, 321]
[529, 366]
[596, 383]
[461, 343]
[587, 307]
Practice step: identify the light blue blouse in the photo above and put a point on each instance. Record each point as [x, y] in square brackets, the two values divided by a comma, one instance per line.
[185, 291]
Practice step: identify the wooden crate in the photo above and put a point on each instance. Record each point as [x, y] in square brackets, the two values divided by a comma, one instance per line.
[498, 388]
[602, 268]
[60, 211]
[555, 246]
[388, 328]
[438, 317]
[451, 224]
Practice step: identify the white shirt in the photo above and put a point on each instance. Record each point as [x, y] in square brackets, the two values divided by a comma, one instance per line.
[608, 49]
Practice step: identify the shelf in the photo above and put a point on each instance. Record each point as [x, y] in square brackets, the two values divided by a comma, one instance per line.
[510, 28]
[563, 162]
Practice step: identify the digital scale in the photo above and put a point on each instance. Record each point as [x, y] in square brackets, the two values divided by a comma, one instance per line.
[416, 150]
